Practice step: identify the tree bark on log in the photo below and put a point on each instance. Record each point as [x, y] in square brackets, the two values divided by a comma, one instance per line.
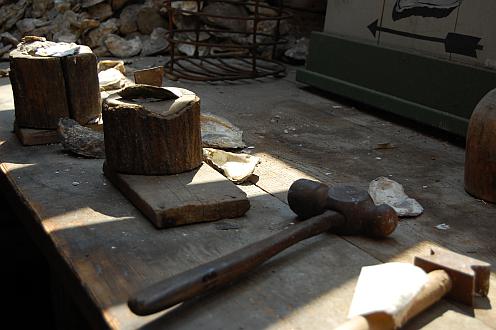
[153, 138]
[39, 90]
[83, 89]
[49, 88]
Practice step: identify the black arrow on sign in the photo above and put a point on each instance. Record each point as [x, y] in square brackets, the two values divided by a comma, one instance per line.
[453, 43]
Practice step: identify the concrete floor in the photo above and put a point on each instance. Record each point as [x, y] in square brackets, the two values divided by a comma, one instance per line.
[298, 131]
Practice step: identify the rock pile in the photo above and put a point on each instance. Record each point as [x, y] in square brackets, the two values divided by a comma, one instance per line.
[109, 27]
[126, 28]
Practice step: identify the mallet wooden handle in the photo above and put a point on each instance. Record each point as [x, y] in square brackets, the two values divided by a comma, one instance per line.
[226, 269]
[438, 285]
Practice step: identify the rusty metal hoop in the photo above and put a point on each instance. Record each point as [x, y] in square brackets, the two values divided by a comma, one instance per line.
[232, 60]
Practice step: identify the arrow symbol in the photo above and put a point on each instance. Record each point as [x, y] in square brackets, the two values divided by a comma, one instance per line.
[453, 43]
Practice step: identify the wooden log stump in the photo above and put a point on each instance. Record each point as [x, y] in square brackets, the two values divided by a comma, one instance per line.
[155, 136]
[49, 87]
[480, 154]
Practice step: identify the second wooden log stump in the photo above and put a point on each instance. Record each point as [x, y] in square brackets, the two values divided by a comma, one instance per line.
[152, 131]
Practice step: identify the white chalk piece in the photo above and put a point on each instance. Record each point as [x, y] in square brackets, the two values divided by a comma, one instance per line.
[387, 191]
[236, 167]
[388, 288]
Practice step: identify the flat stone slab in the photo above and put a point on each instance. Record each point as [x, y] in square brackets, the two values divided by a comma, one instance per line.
[172, 200]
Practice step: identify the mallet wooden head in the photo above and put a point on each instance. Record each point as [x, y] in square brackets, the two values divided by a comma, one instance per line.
[468, 276]
[309, 198]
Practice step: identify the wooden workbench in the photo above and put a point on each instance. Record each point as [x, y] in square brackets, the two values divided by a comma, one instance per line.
[103, 250]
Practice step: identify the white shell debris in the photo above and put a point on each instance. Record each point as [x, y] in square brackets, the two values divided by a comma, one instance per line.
[59, 49]
[386, 191]
[111, 79]
[442, 226]
[219, 133]
[236, 167]
[41, 47]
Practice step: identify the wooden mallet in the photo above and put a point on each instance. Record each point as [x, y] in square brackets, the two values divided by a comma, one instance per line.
[357, 215]
[448, 274]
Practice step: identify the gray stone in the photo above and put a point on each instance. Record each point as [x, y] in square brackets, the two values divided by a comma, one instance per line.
[8, 38]
[81, 140]
[123, 48]
[148, 19]
[90, 3]
[127, 19]
[100, 11]
[29, 24]
[40, 7]
[10, 14]
[263, 11]
[298, 51]
[118, 4]
[95, 37]
[156, 43]
[65, 36]
[101, 51]
[226, 9]
[5, 49]
[218, 132]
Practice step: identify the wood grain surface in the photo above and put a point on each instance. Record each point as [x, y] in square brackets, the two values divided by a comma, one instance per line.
[83, 89]
[107, 250]
[195, 196]
[33, 137]
[39, 90]
[152, 138]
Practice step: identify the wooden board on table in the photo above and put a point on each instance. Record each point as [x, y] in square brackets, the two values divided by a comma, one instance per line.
[172, 200]
[33, 137]
[110, 252]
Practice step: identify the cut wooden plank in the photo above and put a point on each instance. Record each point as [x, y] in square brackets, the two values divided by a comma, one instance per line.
[172, 200]
[33, 137]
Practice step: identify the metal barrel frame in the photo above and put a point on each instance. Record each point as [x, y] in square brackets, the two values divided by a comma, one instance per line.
[230, 66]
